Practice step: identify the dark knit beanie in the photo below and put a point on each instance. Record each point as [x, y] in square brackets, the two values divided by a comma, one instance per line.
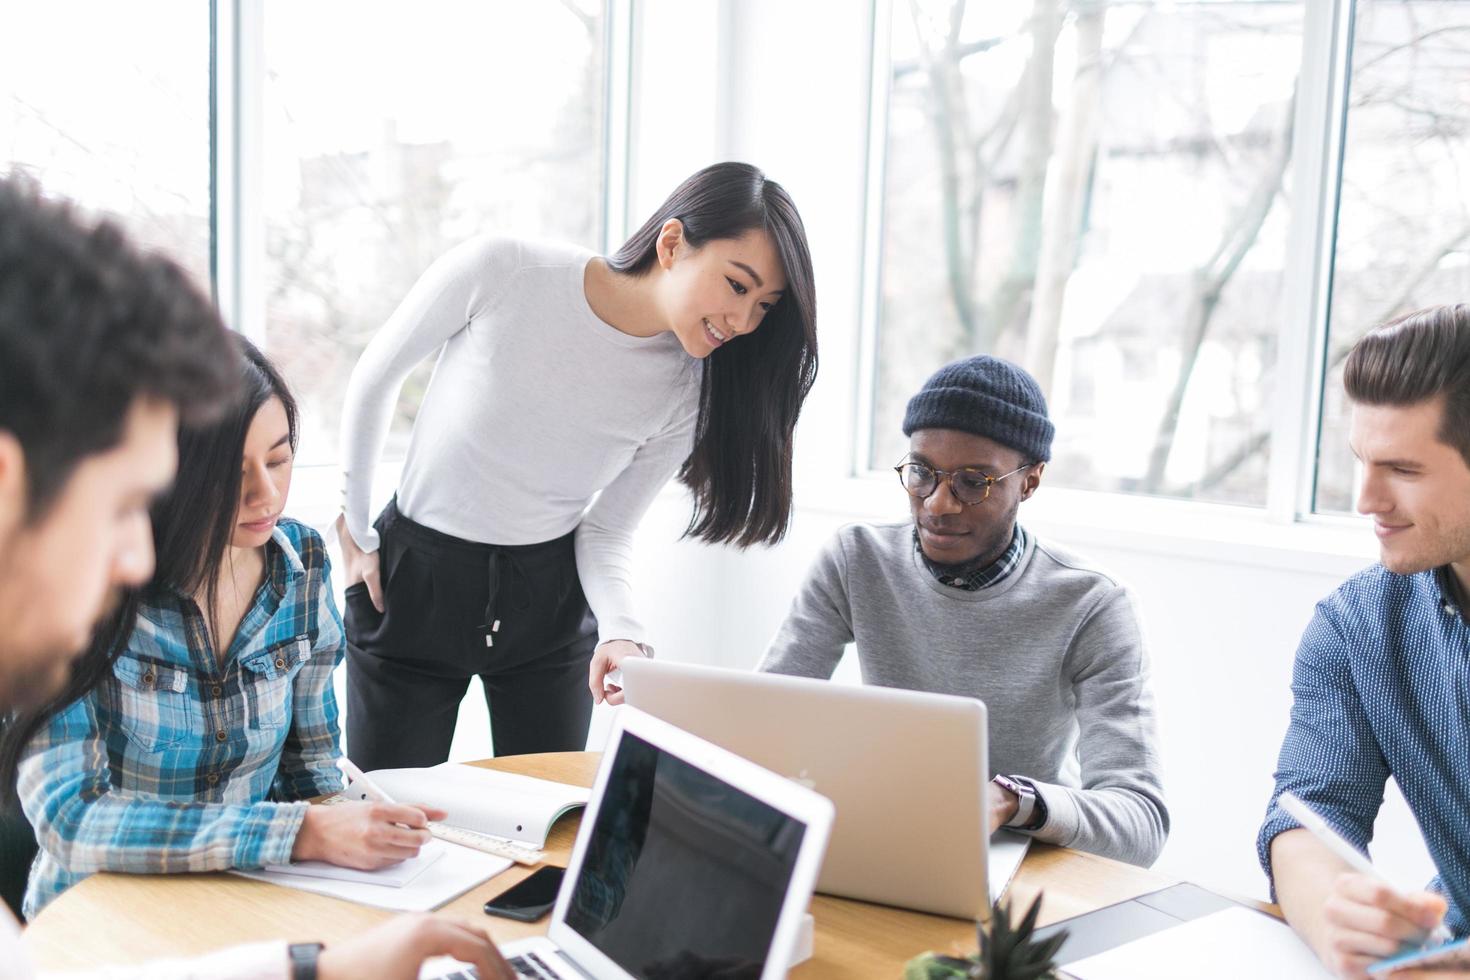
[988, 397]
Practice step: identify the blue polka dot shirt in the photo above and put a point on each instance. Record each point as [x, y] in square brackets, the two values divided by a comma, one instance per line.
[1382, 688]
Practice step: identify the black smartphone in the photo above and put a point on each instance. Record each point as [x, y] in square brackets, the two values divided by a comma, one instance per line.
[530, 898]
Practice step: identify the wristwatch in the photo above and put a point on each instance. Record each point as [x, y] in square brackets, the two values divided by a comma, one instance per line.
[1030, 808]
[303, 959]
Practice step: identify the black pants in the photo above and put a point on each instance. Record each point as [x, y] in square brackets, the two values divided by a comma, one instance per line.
[513, 615]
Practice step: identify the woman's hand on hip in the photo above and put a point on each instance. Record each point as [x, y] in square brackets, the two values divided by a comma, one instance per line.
[606, 659]
[361, 566]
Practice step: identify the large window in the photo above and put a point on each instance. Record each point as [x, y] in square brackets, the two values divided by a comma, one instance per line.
[377, 136]
[108, 104]
[1403, 233]
[414, 129]
[1099, 192]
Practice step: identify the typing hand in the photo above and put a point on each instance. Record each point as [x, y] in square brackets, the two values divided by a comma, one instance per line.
[362, 566]
[396, 949]
[1366, 920]
[366, 836]
[605, 659]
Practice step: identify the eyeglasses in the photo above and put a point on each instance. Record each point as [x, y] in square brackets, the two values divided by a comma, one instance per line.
[967, 484]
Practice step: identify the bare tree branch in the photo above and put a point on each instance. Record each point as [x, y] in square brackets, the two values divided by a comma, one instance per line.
[1410, 285]
[1258, 441]
[1413, 44]
[1010, 304]
[1212, 278]
[1066, 195]
[961, 52]
[1217, 474]
[588, 21]
[958, 263]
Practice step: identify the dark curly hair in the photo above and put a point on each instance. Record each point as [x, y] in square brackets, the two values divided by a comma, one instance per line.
[88, 324]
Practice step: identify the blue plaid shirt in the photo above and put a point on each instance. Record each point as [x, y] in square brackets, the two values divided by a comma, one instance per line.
[177, 762]
[1380, 688]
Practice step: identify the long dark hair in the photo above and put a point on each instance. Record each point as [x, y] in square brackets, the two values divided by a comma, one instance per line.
[192, 526]
[751, 391]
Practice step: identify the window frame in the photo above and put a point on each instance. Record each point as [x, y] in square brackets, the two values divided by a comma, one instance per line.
[1300, 371]
[237, 231]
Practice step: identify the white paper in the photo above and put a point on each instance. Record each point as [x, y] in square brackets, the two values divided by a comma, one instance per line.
[460, 869]
[487, 801]
[1226, 945]
[393, 876]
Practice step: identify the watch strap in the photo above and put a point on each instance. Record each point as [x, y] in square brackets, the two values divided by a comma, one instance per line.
[304, 958]
[1030, 807]
[1038, 805]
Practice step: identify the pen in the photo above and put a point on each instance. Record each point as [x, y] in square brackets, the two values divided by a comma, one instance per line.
[1334, 842]
[359, 777]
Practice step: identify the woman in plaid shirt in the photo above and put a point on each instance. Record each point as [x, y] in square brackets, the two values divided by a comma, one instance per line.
[204, 715]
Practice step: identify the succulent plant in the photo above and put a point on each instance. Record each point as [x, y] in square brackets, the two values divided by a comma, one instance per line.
[1006, 953]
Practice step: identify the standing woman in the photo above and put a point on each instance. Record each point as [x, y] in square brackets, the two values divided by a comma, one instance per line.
[564, 376]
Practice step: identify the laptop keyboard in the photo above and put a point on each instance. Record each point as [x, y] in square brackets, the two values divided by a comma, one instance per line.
[530, 966]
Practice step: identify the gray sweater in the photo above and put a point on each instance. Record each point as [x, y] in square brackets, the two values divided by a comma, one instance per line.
[1054, 650]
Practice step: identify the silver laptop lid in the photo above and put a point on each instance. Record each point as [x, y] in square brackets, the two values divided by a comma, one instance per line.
[907, 770]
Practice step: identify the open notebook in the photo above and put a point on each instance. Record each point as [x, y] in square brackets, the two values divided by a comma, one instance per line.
[486, 801]
[521, 809]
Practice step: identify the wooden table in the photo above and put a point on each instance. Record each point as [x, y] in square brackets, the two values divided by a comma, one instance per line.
[117, 918]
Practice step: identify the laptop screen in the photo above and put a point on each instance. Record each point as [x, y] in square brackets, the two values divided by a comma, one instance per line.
[684, 875]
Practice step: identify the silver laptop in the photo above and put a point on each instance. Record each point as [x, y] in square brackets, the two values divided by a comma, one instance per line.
[690, 862]
[908, 771]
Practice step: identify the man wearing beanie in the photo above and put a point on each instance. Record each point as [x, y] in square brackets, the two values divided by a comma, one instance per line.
[963, 600]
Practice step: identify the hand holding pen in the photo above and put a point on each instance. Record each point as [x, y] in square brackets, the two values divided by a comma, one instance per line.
[1354, 919]
[363, 835]
[1335, 843]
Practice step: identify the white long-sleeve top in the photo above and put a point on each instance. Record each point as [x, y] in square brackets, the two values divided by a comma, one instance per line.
[535, 407]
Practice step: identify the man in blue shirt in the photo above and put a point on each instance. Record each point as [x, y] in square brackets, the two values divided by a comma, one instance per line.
[1382, 678]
